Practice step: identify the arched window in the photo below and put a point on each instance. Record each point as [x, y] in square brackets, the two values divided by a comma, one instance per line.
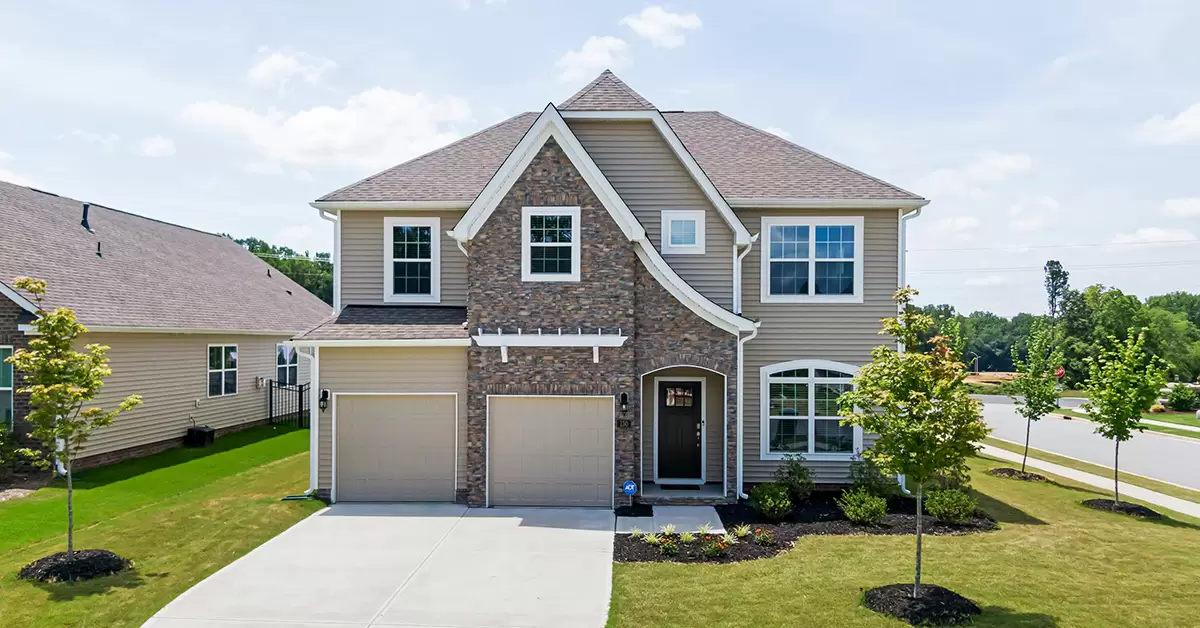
[800, 410]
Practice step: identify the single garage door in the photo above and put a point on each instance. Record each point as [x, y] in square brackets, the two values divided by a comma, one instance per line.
[395, 448]
[550, 451]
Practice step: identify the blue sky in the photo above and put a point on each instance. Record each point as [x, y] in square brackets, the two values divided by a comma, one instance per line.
[1030, 125]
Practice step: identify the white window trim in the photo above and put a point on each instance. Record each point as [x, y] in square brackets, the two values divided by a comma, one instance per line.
[209, 371]
[764, 416]
[765, 295]
[11, 388]
[435, 252]
[526, 245]
[292, 365]
[669, 215]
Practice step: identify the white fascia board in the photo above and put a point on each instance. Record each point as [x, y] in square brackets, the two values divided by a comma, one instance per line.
[386, 205]
[826, 203]
[741, 235]
[17, 298]
[549, 340]
[548, 124]
[394, 342]
[687, 295]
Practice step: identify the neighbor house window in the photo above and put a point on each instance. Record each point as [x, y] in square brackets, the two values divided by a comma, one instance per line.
[6, 390]
[412, 260]
[800, 405]
[682, 232]
[550, 244]
[812, 259]
[287, 365]
[222, 370]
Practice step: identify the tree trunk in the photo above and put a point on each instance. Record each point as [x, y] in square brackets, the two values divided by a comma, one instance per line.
[1116, 482]
[917, 581]
[1028, 423]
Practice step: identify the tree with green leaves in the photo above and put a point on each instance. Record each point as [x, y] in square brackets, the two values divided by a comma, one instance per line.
[61, 382]
[1123, 382]
[1057, 284]
[314, 273]
[1034, 390]
[918, 404]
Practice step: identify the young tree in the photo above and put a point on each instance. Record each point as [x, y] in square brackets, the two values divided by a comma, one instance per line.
[917, 403]
[1057, 284]
[60, 381]
[1034, 391]
[1123, 382]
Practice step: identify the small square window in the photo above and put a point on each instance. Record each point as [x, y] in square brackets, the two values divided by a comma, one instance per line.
[682, 232]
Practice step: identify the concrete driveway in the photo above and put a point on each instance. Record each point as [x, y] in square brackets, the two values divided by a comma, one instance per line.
[414, 565]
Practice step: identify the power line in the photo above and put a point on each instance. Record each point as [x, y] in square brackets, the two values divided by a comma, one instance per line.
[1053, 246]
[950, 271]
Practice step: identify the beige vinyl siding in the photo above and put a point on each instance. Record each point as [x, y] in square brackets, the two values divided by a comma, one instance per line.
[649, 178]
[714, 416]
[817, 331]
[388, 369]
[362, 256]
[170, 372]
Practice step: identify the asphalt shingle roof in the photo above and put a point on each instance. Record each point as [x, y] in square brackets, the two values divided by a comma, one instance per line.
[606, 93]
[386, 322]
[147, 273]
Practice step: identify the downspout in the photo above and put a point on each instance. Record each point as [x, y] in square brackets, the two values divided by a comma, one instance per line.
[314, 377]
[741, 403]
[903, 266]
[336, 219]
[461, 243]
[737, 273]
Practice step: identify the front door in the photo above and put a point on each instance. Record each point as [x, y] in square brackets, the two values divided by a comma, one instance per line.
[680, 430]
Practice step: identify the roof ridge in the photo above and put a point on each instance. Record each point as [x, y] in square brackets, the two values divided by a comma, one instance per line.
[428, 153]
[583, 92]
[607, 76]
[810, 152]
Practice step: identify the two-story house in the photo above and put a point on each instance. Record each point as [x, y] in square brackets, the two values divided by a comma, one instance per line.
[597, 294]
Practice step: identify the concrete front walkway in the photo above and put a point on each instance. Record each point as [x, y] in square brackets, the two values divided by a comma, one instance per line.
[1127, 490]
[414, 565]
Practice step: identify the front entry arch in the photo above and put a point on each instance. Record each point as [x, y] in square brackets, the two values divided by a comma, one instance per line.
[684, 428]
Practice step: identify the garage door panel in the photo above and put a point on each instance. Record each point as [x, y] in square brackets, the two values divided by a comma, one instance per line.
[551, 451]
[395, 447]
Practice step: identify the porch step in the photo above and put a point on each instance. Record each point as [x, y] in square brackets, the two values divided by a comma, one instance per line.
[683, 500]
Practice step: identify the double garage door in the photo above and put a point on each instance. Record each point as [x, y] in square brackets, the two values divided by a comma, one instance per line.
[542, 451]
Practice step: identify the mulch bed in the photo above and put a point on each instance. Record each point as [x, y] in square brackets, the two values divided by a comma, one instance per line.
[1016, 474]
[937, 606]
[1125, 508]
[86, 565]
[819, 514]
[18, 485]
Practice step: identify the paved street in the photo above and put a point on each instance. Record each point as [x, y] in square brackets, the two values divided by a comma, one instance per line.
[1167, 458]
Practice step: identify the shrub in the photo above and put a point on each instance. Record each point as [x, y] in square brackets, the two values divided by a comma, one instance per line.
[950, 506]
[704, 528]
[957, 478]
[741, 531]
[1182, 398]
[667, 530]
[771, 501]
[636, 533]
[713, 549]
[795, 477]
[868, 476]
[651, 538]
[860, 506]
[1158, 408]
[729, 539]
[668, 547]
[687, 538]
[764, 537]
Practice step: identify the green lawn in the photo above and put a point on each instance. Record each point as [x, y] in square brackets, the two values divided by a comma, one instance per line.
[1182, 418]
[1149, 415]
[1053, 563]
[179, 515]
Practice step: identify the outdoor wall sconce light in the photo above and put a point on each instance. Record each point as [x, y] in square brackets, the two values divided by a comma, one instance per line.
[624, 403]
[323, 400]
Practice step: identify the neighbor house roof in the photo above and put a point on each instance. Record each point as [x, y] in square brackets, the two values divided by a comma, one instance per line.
[741, 161]
[137, 272]
[391, 322]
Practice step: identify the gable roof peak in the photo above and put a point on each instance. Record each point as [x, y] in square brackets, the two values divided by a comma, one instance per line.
[606, 93]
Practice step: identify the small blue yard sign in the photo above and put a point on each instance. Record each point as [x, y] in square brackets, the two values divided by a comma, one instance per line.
[630, 487]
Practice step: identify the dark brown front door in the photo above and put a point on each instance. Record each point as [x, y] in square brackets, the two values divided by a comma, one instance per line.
[680, 426]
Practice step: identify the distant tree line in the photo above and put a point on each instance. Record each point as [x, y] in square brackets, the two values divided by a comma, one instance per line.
[313, 272]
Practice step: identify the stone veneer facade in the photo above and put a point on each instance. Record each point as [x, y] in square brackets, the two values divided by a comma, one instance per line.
[614, 292]
[12, 315]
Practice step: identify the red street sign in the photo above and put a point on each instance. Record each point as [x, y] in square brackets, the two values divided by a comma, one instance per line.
[1059, 371]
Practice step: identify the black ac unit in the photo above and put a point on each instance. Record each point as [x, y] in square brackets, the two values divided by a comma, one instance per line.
[199, 436]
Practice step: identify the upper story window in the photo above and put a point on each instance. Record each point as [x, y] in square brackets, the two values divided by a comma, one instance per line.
[682, 232]
[222, 370]
[6, 390]
[550, 244]
[287, 365]
[800, 410]
[412, 260]
[818, 260]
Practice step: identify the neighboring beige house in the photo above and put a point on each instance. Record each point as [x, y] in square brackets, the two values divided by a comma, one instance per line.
[196, 324]
[597, 294]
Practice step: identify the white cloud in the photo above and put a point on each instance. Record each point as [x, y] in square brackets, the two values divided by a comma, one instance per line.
[156, 146]
[1145, 235]
[13, 177]
[1060, 65]
[1032, 215]
[972, 179]
[278, 67]
[596, 55]
[1183, 128]
[661, 27]
[376, 128]
[774, 130]
[107, 142]
[987, 280]
[1182, 207]
[959, 227]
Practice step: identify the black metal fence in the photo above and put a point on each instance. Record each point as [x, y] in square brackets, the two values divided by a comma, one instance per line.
[287, 403]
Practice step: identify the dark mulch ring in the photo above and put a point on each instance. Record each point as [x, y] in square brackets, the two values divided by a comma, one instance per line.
[1016, 474]
[937, 606]
[819, 514]
[86, 565]
[1125, 508]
